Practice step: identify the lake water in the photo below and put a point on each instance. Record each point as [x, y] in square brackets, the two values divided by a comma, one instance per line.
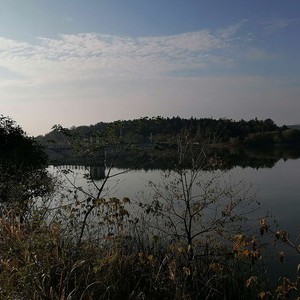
[277, 187]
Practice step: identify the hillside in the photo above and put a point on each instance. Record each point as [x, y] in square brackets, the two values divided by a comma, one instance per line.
[160, 130]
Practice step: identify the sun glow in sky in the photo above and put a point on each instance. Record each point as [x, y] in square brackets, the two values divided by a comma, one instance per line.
[81, 62]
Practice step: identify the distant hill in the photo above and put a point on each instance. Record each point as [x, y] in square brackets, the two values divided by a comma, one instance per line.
[158, 130]
[296, 126]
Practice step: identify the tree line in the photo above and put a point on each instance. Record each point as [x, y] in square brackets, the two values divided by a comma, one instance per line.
[161, 130]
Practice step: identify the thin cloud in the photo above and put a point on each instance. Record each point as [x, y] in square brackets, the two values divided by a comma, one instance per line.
[90, 55]
[278, 24]
[258, 54]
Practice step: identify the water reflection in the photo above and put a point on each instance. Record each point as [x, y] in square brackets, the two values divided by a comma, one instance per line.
[226, 158]
[96, 172]
[256, 157]
[273, 172]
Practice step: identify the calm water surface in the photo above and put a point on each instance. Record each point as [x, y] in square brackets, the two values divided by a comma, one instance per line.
[277, 188]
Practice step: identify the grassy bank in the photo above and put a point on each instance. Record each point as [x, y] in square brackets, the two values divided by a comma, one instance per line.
[39, 260]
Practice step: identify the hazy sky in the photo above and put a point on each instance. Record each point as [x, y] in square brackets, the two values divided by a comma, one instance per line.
[79, 62]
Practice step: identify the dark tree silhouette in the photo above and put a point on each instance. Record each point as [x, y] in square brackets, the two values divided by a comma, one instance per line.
[23, 164]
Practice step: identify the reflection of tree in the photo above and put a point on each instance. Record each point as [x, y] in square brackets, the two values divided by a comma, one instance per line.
[256, 157]
[165, 159]
[97, 172]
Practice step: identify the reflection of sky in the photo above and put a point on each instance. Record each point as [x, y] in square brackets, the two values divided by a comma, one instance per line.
[278, 191]
[277, 188]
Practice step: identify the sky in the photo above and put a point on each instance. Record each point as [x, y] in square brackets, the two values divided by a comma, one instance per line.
[80, 62]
